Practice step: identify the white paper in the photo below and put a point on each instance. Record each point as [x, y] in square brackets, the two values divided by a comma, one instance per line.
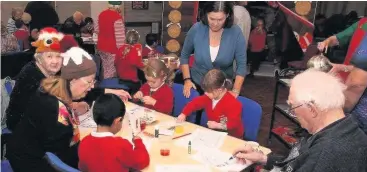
[86, 120]
[201, 138]
[218, 159]
[182, 168]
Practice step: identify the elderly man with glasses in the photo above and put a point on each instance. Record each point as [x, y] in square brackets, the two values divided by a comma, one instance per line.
[336, 143]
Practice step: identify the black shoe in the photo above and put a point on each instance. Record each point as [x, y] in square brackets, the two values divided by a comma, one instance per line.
[251, 75]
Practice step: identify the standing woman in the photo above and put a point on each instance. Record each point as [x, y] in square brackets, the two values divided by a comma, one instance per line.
[49, 125]
[216, 43]
[111, 36]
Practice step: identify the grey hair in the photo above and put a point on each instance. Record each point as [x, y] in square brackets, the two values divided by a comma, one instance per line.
[322, 89]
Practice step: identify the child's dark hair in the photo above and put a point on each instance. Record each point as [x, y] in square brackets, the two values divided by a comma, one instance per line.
[19, 23]
[156, 69]
[215, 79]
[107, 108]
[151, 38]
[88, 20]
[132, 37]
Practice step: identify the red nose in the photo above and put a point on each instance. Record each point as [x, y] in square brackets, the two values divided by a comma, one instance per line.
[55, 46]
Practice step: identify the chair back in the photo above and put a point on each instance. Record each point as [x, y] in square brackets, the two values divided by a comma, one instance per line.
[112, 83]
[251, 118]
[57, 164]
[5, 166]
[180, 101]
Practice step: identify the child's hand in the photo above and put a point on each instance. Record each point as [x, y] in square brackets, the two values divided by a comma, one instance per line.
[138, 95]
[149, 100]
[181, 118]
[214, 125]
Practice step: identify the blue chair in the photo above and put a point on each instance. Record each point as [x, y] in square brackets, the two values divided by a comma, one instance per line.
[251, 118]
[5, 166]
[160, 49]
[57, 164]
[112, 83]
[180, 101]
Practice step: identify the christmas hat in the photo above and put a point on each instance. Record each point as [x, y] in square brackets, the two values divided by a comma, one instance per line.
[48, 40]
[77, 64]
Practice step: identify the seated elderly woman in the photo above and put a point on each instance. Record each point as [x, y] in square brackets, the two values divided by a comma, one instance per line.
[336, 143]
[49, 124]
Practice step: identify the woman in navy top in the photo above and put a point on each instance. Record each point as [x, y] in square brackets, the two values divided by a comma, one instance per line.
[216, 43]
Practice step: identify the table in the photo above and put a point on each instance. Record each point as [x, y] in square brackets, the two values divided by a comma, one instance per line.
[178, 154]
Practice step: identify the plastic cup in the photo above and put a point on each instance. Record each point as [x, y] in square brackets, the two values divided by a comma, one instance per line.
[165, 144]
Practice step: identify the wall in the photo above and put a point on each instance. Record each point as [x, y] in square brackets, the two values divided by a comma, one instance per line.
[154, 13]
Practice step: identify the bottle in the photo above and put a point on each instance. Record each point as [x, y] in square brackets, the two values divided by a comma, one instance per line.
[156, 131]
[189, 148]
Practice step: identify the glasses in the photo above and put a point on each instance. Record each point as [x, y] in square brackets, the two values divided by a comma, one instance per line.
[291, 110]
[90, 83]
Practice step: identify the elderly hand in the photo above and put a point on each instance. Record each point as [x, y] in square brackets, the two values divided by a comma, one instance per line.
[187, 88]
[338, 68]
[125, 96]
[149, 100]
[248, 155]
[214, 125]
[80, 108]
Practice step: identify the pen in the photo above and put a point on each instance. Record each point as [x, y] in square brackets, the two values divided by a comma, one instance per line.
[181, 136]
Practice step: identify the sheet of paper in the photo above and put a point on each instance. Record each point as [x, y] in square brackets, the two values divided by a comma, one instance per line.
[182, 168]
[201, 138]
[218, 159]
[86, 120]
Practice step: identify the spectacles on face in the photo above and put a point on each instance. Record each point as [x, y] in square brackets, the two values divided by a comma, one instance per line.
[90, 83]
[291, 109]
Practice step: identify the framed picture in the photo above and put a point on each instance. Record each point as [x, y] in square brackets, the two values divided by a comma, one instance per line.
[140, 5]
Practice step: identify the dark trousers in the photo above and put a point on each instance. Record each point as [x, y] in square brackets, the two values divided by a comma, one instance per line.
[254, 59]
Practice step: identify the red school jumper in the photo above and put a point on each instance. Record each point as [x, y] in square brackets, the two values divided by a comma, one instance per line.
[127, 67]
[164, 97]
[104, 152]
[228, 106]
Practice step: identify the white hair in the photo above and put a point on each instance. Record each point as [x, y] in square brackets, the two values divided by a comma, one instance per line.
[39, 56]
[320, 88]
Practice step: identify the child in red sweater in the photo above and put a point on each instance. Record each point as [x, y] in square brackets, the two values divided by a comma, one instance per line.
[22, 34]
[223, 110]
[101, 150]
[129, 60]
[156, 93]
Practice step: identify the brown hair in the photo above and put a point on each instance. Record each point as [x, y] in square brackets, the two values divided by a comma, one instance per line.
[157, 69]
[58, 87]
[215, 79]
[132, 37]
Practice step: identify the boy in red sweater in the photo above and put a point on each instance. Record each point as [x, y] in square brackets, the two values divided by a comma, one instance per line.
[101, 151]
[223, 110]
[129, 60]
[156, 93]
[257, 46]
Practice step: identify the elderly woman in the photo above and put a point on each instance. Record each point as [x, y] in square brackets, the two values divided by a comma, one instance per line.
[9, 42]
[336, 143]
[49, 124]
[111, 36]
[354, 69]
[47, 64]
[16, 14]
[216, 43]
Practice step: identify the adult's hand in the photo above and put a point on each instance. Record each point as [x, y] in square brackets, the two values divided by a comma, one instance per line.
[80, 108]
[187, 87]
[340, 68]
[323, 45]
[125, 96]
[248, 155]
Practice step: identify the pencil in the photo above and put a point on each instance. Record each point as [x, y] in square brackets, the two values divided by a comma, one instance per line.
[181, 136]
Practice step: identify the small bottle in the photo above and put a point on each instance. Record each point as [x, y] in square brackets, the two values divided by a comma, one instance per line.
[156, 131]
[189, 148]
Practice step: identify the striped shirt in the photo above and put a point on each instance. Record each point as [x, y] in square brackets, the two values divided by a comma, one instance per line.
[11, 26]
[119, 33]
